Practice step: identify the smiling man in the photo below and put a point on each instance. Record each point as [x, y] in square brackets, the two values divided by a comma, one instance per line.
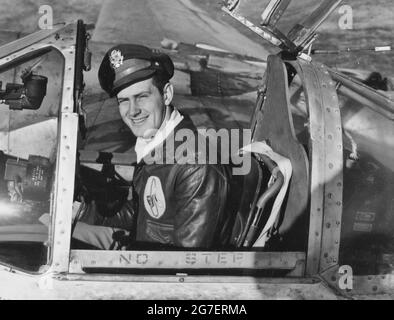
[178, 202]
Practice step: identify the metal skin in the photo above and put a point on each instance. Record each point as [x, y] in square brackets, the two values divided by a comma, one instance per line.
[313, 274]
[326, 147]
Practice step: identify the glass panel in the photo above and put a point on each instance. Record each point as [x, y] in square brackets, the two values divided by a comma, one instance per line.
[28, 148]
[367, 242]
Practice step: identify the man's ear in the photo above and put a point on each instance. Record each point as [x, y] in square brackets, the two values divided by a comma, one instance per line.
[168, 93]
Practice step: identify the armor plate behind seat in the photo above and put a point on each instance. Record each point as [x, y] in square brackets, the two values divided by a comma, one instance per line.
[273, 122]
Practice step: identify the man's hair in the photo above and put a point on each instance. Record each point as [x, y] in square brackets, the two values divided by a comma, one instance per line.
[159, 80]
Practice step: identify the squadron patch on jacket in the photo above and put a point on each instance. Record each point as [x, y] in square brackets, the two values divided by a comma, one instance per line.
[154, 200]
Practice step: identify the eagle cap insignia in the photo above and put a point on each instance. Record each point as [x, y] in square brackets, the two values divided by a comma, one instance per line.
[116, 59]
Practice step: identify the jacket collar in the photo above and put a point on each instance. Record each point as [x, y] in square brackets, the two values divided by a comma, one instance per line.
[169, 151]
[144, 146]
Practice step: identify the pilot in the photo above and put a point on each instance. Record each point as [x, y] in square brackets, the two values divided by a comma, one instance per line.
[178, 202]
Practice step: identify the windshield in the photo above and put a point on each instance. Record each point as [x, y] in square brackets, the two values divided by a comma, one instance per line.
[28, 148]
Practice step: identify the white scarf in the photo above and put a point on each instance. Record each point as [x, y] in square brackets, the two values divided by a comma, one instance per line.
[144, 146]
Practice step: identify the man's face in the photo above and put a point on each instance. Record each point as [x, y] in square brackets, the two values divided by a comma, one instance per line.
[142, 107]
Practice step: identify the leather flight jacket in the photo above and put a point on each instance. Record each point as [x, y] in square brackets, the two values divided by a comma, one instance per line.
[177, 201]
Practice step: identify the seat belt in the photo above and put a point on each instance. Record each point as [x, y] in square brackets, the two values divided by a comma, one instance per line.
[286, 169]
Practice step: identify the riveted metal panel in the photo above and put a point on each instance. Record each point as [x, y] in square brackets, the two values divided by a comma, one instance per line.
[17, 286]
[81, 259]
[31, 39]
[65, 192]
[333, 171]
[326, 161]
[316, 162]
[376, 284]
[366, 285]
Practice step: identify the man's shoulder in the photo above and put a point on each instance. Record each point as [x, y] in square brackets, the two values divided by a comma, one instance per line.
[186, 123]
[199, 172]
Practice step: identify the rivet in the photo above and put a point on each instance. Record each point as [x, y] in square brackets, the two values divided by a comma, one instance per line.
[330, 137]
[375, 288]
[330, 165]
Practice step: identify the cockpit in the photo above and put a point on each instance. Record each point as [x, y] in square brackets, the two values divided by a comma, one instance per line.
[31, 97]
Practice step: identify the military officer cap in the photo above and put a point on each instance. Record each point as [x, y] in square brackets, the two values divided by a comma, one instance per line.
[126, 64]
